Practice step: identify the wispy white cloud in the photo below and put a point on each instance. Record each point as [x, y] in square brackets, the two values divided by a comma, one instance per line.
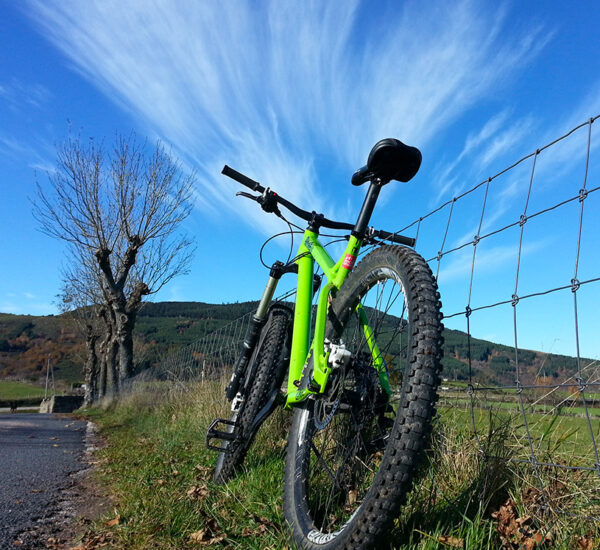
[571, 152]
[490, 260]
[273, 88]
[501, 139]
[507, 140]
[19, 95]
[481, 152]
[31, 153]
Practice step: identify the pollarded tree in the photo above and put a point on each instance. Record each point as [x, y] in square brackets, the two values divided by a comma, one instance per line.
[121, 215]
[78, 301]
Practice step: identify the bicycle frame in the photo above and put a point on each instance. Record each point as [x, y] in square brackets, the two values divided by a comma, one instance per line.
[309, 252]
[301, 384]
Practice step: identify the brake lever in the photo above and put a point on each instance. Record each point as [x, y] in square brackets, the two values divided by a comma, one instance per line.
[267, 200]
[248, 196]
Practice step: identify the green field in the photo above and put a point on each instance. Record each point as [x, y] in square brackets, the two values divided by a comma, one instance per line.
[19, 390]
[566, 440]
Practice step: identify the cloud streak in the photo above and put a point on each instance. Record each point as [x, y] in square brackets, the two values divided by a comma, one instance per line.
[282, 90]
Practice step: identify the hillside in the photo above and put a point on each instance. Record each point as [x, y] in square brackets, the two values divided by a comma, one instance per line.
[26, 343]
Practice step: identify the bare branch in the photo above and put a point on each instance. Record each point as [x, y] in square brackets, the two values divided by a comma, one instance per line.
[120, 214]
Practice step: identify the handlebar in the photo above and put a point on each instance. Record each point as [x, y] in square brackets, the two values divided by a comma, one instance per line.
[269, 200]
[244, 180]
[393, 237]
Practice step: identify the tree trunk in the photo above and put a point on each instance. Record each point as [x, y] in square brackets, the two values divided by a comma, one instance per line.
[113, 386]
[102, 378]
[126, 317]
[109, 379]
[125, 340]
[91, 368]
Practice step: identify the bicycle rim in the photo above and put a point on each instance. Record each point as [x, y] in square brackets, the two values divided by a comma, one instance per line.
[347, 430]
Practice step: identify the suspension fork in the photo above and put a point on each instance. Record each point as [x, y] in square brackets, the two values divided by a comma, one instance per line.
[255, 327]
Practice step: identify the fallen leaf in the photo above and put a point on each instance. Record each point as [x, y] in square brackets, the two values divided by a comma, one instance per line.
[263, 520]
[585, 543]
[114, 521]
[160, 481]
[199, 536]
[453, 542]
[205, 538]
[17, 542]
[523, 520]
[260, 530]
[197, 492]
[204, 472]
[55, 445]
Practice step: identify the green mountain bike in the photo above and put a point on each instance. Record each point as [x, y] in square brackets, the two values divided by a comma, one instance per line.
[363, 390]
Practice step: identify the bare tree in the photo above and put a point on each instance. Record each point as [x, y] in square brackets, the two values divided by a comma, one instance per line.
[75, 303]
[121, 216]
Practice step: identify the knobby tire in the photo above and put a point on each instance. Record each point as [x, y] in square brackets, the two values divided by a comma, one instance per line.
[352, 453]
[263, 375]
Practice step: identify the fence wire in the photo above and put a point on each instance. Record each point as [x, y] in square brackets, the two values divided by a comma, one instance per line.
[555, 420]
[205, 358]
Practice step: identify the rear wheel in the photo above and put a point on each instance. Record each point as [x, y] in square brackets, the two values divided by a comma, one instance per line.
[264, 374]
[353, 451]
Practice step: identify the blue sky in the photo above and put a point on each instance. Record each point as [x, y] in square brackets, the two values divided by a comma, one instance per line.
[295, 94]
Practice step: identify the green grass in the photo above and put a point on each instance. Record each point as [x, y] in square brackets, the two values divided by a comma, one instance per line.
[567, 410]
[158, 469]
[19, 390]
[555, 435]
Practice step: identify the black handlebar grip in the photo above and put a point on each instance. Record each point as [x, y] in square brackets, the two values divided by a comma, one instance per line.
[244, 180]
[399, 239]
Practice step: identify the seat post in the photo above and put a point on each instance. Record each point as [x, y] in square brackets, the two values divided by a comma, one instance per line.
[364, 217]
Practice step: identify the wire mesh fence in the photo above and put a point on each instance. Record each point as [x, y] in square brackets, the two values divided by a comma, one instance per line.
[550, 401]
[518, 250]
[209, 357]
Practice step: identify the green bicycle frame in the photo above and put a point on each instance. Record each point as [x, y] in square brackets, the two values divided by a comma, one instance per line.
[310, 251]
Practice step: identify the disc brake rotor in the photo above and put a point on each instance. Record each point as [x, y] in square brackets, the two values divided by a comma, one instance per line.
[327, 405]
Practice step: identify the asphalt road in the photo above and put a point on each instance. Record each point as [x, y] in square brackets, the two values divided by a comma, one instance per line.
[38, 453]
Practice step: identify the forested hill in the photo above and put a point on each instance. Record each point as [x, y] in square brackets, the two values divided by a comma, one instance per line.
[26, 343]
[196, 310]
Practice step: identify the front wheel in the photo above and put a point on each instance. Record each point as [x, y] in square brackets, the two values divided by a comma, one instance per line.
[264, 375]
[353, 451]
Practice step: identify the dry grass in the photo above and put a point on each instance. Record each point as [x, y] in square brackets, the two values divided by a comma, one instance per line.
[157, 466]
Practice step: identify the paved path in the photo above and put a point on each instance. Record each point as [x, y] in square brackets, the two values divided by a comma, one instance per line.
[38, 452]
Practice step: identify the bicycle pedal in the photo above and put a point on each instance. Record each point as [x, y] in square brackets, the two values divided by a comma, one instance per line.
[216, 430]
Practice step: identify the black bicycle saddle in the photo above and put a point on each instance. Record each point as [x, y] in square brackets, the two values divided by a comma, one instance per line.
[389, 160]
